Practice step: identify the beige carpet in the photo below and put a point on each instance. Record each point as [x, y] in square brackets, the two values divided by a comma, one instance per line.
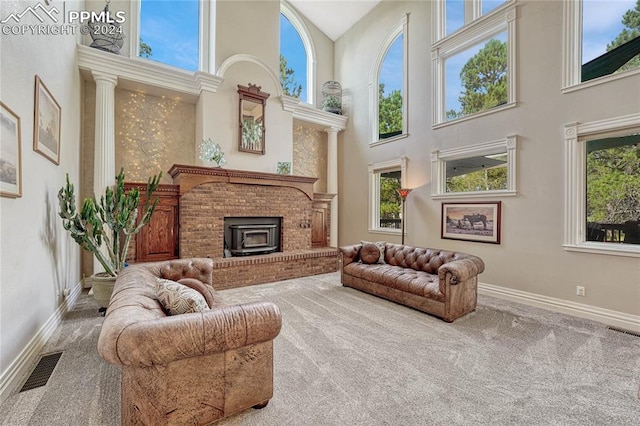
[347, 358]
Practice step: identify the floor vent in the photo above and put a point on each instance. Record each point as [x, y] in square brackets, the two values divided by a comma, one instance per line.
[622, 330]
[40, 375]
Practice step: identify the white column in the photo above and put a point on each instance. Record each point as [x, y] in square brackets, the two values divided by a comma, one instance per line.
[104, 160]
[332, 181]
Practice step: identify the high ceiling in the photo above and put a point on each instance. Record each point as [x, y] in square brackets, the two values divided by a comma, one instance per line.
[334, 17]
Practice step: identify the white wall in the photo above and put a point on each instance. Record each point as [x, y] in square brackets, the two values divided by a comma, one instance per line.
[37, 259]
[530, 257]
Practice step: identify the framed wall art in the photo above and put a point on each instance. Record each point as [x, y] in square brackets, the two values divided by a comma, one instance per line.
[46, 124]
[10, 159]
[471, 221]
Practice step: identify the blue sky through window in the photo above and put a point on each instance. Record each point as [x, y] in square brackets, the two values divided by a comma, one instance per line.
[391, 71]
[171, 29]
[601, 24]
[292, 49]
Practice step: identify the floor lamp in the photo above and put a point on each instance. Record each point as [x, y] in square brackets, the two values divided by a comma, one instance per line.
[404, 192]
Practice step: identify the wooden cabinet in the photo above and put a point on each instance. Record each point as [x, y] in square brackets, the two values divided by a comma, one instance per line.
[320, 219]
[158, 240]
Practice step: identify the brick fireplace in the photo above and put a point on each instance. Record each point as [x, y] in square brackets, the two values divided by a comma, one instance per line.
[209, 195]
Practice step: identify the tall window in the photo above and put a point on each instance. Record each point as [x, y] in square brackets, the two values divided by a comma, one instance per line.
[386, 205]
[601, 41]
[474, 68]
[602, 183]
[388, 87]
[169, 32]
[390, 84]
[297, 56]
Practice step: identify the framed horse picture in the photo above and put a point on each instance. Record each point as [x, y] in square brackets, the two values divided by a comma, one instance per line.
[471, 221]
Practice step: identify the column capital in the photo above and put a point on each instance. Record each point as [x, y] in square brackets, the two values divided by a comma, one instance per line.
[103, 77]
[333, 130]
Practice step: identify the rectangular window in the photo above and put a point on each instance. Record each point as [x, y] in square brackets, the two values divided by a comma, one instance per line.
[385, 203]
[474, 68]
[486, 169]
[602, 186]
[613, 189]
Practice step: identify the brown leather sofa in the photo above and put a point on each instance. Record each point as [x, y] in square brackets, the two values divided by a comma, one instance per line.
[193, 368]
[438, 282]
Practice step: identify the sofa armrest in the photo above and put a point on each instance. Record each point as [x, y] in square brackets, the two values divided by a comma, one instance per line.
[350, 254]
[128, 339]
[461, 269]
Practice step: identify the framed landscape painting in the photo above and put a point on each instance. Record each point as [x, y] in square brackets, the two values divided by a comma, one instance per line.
[10, 160]
[46, 124]
[471, 221]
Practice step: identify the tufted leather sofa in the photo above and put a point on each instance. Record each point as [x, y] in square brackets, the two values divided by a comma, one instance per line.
[438, 282]
[192, 368]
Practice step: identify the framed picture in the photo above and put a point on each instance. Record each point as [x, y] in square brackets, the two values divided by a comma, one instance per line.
[10, 160]
[471, 221]
[284, 167]
[46, 124]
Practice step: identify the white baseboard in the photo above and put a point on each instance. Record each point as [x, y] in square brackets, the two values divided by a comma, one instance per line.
[613, 318]
[21, 366]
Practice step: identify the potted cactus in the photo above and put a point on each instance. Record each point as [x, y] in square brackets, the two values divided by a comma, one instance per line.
[110, 222]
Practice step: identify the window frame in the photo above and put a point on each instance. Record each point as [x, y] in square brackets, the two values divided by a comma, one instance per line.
[575, 190]
[375, 169]
[309, 47]
[206, 15]
[482, 29]
[572, 52]
[439, 160]
[374, 81]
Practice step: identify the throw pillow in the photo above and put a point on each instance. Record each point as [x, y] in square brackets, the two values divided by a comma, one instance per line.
[381, 247]
[179, 299]
[369, 253]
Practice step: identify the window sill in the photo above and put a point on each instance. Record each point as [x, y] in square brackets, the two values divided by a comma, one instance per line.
[600, 80]
[627, 250]
[477, 194]
[385, 231]
[388, 140]
[476, 115]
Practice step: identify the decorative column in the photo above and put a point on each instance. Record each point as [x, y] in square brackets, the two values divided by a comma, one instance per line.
[104, 160]
[332, 181]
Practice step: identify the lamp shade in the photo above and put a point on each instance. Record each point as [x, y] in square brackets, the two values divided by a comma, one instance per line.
[403, 192]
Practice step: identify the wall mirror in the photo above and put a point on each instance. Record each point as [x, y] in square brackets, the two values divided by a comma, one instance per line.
[253, 103]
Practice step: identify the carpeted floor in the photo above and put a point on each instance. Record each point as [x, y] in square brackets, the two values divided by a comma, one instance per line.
[347, 358]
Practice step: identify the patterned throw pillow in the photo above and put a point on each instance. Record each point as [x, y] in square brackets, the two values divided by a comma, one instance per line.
[179, 299]
[381, 247]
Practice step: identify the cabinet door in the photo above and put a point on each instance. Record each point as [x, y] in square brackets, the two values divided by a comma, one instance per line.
[159, 239]
[318, 227]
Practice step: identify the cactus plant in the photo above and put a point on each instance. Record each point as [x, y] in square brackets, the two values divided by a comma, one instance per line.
[111, 222]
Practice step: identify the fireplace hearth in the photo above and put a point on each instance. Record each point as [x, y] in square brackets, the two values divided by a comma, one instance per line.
[245, 236]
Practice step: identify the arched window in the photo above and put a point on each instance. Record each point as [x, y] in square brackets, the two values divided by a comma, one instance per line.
[297, 56]
[388, 88]
[170, 34]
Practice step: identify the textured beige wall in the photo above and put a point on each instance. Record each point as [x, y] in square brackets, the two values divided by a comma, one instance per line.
[530, 257]
[310, 155]
[152, 134]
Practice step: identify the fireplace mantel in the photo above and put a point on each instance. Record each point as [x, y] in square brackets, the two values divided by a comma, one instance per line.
[189, 177]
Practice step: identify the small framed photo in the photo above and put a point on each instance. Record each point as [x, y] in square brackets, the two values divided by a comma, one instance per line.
[284, 167]
[10, 159]
[46, 124]
[471, 221]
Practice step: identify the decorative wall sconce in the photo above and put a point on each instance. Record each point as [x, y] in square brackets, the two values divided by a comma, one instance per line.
[404, 192]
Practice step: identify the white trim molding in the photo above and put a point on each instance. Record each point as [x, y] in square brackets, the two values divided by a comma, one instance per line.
[575, 155]
[439, 160]
[606, 316]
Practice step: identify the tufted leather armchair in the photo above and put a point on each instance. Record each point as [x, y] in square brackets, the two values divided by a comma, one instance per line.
[186, 369]
[438, 282]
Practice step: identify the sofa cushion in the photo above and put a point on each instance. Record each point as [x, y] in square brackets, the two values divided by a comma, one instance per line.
[369, 253]
[381, 247]
[179, 299]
